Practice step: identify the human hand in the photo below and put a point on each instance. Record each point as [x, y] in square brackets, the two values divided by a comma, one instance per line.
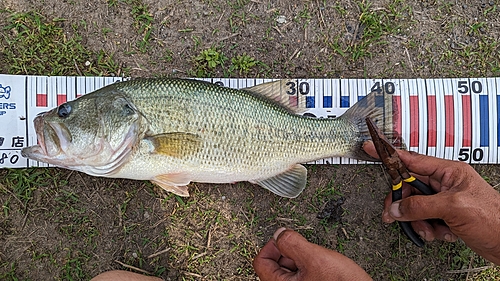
[468, 205]
[289, 256]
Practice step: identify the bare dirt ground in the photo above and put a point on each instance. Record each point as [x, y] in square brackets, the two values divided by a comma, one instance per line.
[69, 226]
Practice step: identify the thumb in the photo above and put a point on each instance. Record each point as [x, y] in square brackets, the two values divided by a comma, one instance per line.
[292, 245]
[420, 207]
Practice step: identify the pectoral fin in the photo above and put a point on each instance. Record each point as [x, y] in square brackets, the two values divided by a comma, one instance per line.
[175, 144]
[175, 183]
[288, 184]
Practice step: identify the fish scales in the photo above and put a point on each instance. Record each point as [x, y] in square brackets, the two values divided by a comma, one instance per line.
[238, 128]
[174, 131]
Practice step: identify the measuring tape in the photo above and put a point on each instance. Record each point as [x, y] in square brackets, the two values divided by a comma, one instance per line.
[454, 118]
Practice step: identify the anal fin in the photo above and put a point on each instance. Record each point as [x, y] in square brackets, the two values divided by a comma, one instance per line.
[175, 183]
[288, 184]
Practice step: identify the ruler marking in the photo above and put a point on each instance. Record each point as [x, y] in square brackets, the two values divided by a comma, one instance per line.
[306, 87]
[441, 118]
[449, 123]
[431, 128]
[422, 99]
[434, 116]
[467, 120]
[483, 121]
[494, 89]
[431, 118]
[26, 125]
[498, 114]
[492, 151]
[449, 112]
[458, 119]
[475, 121]
[396, 100]
[414, 122]
[327, 95]
[403, 122]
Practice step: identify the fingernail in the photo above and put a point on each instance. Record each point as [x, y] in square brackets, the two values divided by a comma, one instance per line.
[422, 234]
[278, 232]
[447, 237]
[394, 210]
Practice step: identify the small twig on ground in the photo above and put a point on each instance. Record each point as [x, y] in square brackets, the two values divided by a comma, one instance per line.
[133, 267]
[77, 68]
[193, 274]
[229, 37]
[477, 269]
[286, 219]
[279, 31]
[409, 60]
[354, 35]
[209, 237]
[294, 54]
[119, 215]
[158, 253]
[199, 256]
[220, 18]
[14, 195]
[470, 267]
[321, 19]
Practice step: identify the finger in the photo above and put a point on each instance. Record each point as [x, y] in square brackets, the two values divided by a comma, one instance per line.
[422, 164]
[266, 264]
[420, 207]
[443, 174]
[442, 231]
[430, 230]
[386, 217]
[370, 149]
[424, 229]
[287, 263]
[294, 246]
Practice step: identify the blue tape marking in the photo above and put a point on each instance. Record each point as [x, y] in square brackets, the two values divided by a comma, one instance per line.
[310, 102]
[344, 101]
[498, 120]
[360, 97]
[483, 121]
[363, 103]
[327, 102]
[379, 101]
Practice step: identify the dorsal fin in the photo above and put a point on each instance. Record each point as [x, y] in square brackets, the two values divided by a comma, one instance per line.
[284, 92]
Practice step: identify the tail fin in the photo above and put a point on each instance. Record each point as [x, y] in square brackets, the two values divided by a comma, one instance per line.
[380, 107]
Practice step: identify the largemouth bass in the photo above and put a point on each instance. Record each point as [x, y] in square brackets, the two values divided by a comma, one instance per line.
[176, 131]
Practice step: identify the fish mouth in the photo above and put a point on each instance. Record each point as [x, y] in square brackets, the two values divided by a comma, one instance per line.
[53, 140]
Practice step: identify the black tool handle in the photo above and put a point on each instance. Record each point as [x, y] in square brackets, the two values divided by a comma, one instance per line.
[397, 194]
[418, 184]
[411, 234]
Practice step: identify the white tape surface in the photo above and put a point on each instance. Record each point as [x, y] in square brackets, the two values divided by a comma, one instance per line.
[449, 118]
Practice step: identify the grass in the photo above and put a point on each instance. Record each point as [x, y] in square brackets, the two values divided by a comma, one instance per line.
[143, 22]
[206, 62]
[33, 44]
[21, 184]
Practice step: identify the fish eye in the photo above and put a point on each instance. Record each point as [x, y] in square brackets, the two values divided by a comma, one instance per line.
[127, 110]
[64, 110]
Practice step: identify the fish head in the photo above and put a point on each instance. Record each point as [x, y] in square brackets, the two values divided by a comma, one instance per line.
[94, 131]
